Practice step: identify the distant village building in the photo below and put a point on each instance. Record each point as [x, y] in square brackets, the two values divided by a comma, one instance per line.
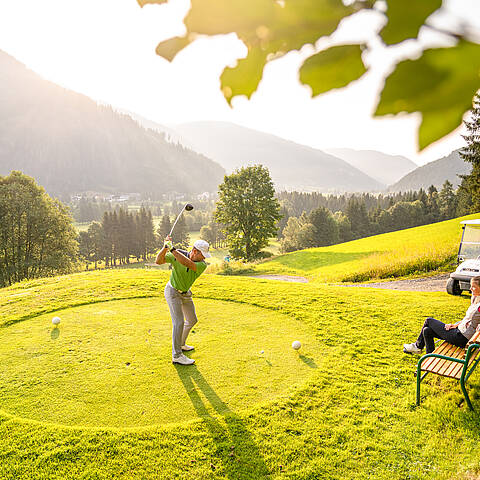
[204, 196]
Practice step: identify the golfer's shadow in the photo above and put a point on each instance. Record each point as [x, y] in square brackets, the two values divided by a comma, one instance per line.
[235, 448]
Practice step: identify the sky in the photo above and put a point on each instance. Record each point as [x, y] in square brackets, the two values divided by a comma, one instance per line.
[105, 49]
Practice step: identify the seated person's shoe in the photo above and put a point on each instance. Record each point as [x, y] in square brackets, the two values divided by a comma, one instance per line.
[411, 348]
[183, 360]
[187, 348]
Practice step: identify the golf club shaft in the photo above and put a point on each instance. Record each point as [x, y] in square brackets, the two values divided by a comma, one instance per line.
[170, 234]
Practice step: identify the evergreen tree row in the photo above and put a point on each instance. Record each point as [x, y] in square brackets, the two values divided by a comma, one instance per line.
[124, 235]
[119, 237]
[320, 227]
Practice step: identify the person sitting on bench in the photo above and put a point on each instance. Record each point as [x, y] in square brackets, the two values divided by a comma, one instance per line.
[457, 334]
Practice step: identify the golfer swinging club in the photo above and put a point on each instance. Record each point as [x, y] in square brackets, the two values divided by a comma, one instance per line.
[186, 268]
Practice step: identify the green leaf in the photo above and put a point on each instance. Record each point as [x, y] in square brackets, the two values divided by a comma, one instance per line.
[142, 3]
[245, 77]
[265, 26]
[169, 48]
[332, 68]
[303, 22]
[216, 17]
[440, 85]
[405, 18]
[266, 23]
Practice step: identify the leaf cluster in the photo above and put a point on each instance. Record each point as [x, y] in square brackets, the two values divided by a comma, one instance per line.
[439, 84]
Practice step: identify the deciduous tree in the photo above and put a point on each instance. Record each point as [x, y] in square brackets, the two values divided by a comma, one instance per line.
[37, 237]
[248, 211]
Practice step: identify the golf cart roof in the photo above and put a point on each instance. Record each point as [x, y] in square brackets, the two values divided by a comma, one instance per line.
[471, 222]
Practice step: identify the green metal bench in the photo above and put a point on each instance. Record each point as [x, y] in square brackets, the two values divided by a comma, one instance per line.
[450, 361]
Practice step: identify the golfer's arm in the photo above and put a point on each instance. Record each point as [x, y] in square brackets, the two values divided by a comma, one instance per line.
[185, 261]
[160, 260]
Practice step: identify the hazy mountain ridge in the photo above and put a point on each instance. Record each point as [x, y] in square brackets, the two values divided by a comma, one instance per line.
[434, 173]
[384, 168]
[292, 166]
[69, 143]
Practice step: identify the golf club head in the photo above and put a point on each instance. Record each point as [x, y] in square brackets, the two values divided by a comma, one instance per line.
[188, 207]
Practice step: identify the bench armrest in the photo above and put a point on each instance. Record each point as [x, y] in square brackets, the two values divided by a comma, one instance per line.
[474, 339]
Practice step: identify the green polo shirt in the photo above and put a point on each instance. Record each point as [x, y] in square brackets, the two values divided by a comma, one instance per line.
[182, 278]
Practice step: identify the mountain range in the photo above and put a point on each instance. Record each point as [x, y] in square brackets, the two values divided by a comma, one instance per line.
[70, 144]
[384, 168]
[292, 166]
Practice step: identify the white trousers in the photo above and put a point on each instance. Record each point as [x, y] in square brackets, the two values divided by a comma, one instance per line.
[182, 311]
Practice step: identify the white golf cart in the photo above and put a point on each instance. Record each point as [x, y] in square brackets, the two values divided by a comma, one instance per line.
[468, 258]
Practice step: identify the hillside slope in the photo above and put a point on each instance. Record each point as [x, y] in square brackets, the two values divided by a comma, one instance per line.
[434, 173]
[393, 254]
[70, 144]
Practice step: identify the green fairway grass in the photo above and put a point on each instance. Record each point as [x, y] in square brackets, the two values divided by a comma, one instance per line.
[406, 252]
[108, 363]
[71, 407]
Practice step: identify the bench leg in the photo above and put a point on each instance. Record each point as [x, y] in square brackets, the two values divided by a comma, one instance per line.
[420, 377]
[464, 390]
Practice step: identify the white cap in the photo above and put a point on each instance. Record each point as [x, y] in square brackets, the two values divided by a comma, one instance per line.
[203, 247]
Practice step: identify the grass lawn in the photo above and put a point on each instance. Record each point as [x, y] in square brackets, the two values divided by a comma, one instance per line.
[340, 408]
[112, 352]
[81, 226]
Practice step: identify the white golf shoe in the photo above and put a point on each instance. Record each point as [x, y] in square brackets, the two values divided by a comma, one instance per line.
[411, 348]
[187, 348]
[183, 360]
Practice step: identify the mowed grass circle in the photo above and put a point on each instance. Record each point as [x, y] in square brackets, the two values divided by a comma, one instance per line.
[109, 364]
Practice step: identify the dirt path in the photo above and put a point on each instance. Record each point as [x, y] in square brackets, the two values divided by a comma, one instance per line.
[429, 284]
[284, 278]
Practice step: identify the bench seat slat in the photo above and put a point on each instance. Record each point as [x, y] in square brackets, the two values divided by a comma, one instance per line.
[433, 364]
[447, 368]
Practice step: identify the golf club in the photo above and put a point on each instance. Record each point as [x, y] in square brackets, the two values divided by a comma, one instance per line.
[187, 207]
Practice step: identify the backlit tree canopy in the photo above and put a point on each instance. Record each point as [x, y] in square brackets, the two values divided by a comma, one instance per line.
[440, 84]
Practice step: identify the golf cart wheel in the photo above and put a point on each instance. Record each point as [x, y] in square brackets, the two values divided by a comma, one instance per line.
[453, 287]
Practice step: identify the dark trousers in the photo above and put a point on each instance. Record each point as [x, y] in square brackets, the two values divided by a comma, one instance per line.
[435, 329]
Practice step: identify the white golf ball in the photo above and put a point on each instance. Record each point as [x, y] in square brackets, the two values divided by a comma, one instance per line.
[56, 320]
[261, 351]
[296, 345]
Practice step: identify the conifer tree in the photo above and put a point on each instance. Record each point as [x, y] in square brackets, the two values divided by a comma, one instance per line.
[282, 222]
[357, 214]
[325, 227]
[97, 239]
[107, 237]
[447, 201]
[163, 229]
[181, 238]
[85, 248]
[471, 153]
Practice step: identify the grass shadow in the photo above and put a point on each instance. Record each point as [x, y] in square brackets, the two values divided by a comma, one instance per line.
[235, 448]
[55, 333]
[308, 361]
